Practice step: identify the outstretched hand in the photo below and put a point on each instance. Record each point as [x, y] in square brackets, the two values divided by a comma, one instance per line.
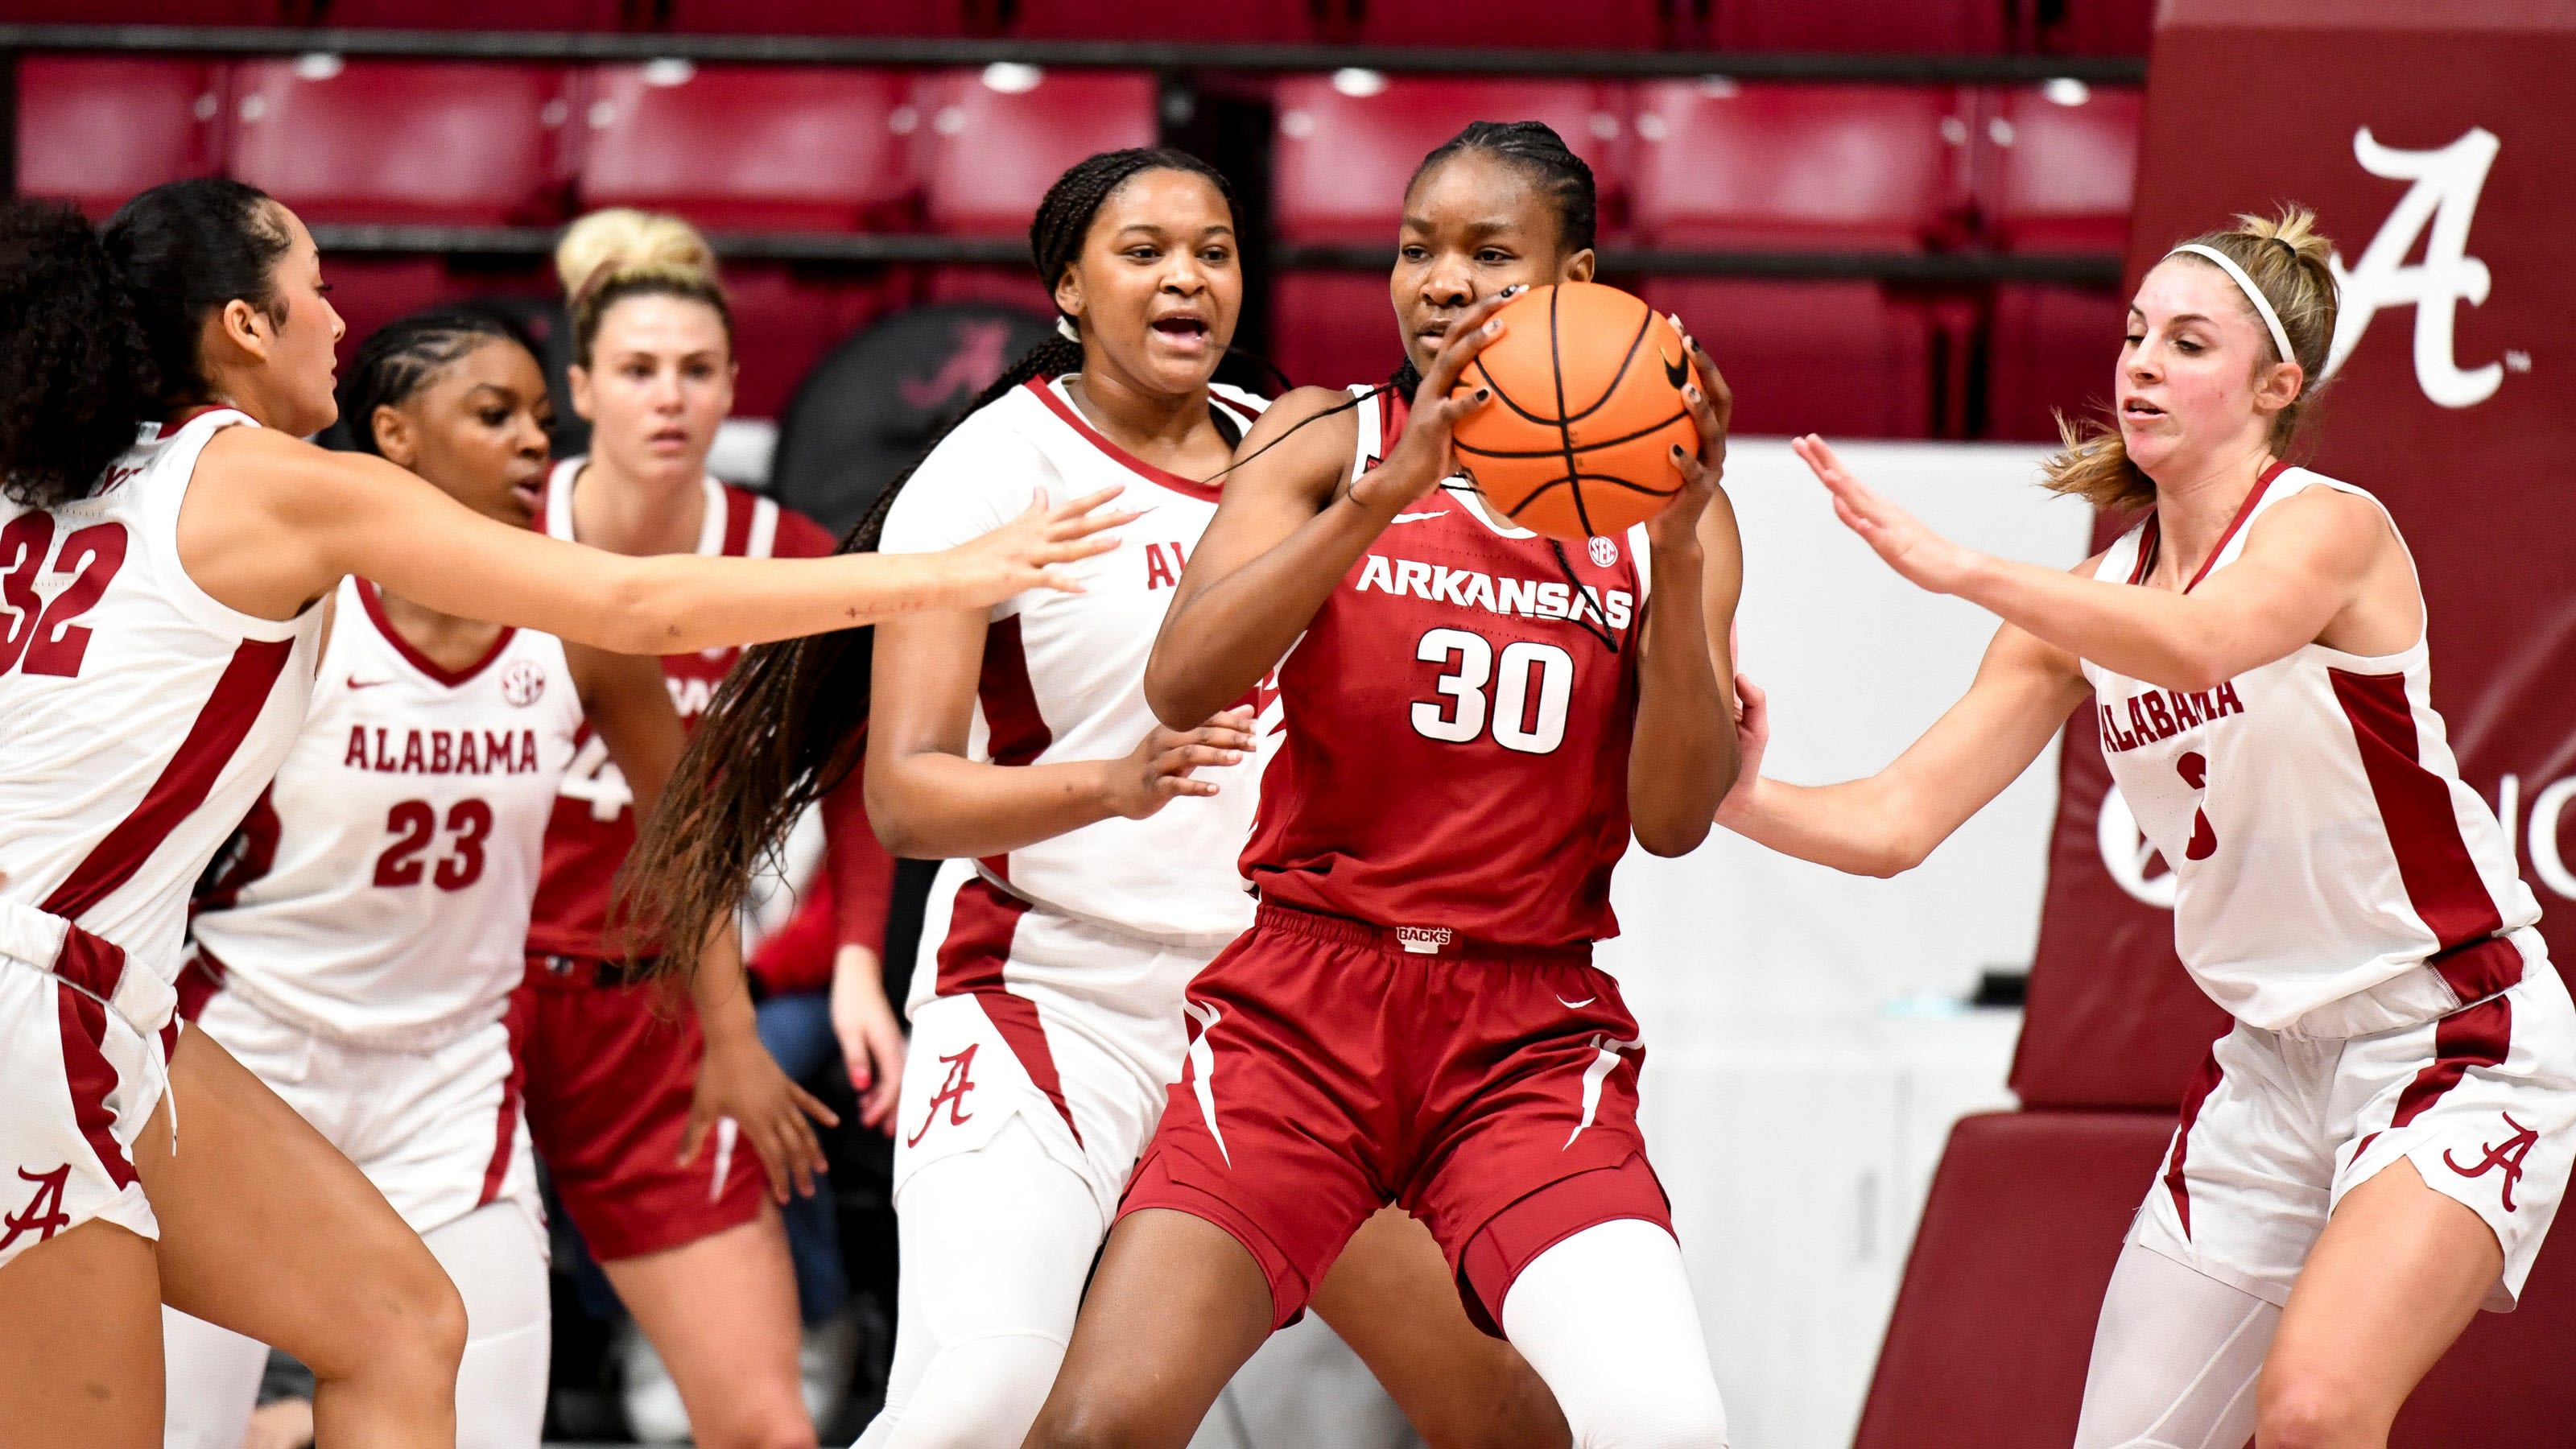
[1031, 551]
[1752, 738]
[1162, 766]
[1421, 457]
[739, 1082]
[1923, 557]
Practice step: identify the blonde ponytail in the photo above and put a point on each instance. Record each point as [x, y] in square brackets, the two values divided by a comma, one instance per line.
[621, 252]
[2286, 259]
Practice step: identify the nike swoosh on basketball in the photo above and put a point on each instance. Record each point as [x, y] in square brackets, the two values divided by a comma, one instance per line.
[1412, 517]
[1677, 372]
[357, 683]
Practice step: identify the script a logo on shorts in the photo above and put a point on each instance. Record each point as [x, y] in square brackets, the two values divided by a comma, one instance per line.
[2445, 196]
[1422, 940]
[2507, 1154]
[523, 683]
[43, 1215]
[1604, 551]
[951, 1094]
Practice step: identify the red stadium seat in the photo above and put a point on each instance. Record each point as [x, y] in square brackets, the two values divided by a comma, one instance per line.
[451, 143]
[474, 14]
[1994, 1324]
[749, 148]
[993, 141]
[785, 318]
[819, 17]
[1837, 357]
[1598, 25]
[2095, 27]
[2053, 349]
[1347, 145]
[370, 291]
[96, 129]
[148, 12]
[1331, 329]
[1961, 27]
[1285, 22]
[2059, 166]
[1860, 166]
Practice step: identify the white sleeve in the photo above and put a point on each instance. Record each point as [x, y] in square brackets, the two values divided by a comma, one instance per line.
[980, 477]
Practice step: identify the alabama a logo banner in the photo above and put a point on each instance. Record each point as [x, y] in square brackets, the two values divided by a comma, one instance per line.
[2435, 211]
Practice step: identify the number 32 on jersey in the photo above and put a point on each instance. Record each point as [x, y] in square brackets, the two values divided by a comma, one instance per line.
[1519, 696]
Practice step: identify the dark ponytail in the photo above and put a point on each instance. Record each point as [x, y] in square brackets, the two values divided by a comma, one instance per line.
[789, 723]
[99, 330]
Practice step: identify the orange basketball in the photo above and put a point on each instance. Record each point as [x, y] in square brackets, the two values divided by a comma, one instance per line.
[1587, 407]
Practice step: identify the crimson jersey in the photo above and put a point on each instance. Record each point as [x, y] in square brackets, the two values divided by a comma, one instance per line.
[593, 825]
[1454, 751]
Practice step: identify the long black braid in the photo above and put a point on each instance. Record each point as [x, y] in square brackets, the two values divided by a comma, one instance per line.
[789, 724]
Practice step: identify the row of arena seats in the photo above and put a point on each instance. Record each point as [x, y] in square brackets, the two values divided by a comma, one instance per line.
[1690, 164]
[1707, 163]
[2086, 27]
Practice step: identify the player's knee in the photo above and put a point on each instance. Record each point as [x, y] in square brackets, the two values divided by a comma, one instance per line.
[2304, 1409]
[404, 1326]
[762, 1426]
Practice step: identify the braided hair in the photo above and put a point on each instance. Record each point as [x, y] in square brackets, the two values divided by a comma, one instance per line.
[789, 723]
[1563, 177]
[399, 358]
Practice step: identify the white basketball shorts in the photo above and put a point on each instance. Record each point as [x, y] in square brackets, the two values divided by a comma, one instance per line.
[1072, 1027]
[85, 1040]
[440, 1133]
[2276, 1129]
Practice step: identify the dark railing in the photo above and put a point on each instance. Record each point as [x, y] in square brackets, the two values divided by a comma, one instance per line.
[1073, 54]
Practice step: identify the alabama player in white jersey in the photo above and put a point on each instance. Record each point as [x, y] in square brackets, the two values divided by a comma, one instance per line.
[2378, 1146]
[358, 944]
[1090, 851]
[160, 641]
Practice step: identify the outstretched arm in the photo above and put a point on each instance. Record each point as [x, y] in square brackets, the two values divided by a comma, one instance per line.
[271, 522]
[2301, 569]
[1682, 756]
[1888, 822]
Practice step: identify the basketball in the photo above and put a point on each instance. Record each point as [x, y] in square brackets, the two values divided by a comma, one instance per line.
[1587, 407]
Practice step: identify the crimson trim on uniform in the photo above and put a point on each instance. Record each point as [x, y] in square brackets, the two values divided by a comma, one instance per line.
[439, 673]
[2244, 511]
[2473, 1036]
[980, 928]
[201, 979]
[231, 708]
[251, 855]
[1016, 734]
[2148, 538]
[505, 1131]
[739, 507]
[2204, 1080]
[2433, 861]
[89, 969]
[1045, 390]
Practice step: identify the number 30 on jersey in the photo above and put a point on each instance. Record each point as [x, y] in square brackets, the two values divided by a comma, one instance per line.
[1520, 697]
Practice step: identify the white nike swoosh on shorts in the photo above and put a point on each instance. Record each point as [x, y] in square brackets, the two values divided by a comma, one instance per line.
[1412, 517]
[1587, 1001]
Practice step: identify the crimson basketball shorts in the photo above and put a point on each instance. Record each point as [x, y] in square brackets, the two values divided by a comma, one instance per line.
[2277, 1128]
[611, 1069]
[1490, 1092]
[85, 1041]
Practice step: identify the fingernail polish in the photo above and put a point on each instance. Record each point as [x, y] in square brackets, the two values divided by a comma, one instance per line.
[1483, 393]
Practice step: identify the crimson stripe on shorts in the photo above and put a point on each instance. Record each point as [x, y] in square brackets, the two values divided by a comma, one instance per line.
[980, 927]
[1018, 734]
[515, 1018]
[221, 725]
[93, 965]
[2203, 1082]
[2415, 808]
[2475, 1036]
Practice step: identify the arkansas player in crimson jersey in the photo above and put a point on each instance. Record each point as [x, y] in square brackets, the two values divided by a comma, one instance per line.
[1414, 1017]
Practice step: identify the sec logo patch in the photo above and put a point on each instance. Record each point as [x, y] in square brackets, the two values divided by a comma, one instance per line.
[1605, 552]
[523, 684]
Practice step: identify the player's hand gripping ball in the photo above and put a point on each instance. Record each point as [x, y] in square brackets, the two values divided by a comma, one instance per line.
[1587, 407]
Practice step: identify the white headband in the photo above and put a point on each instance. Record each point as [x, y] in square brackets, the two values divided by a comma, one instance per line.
[2253, 294]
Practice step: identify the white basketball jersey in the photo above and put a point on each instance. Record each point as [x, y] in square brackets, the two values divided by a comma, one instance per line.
[138, 716]
[2321, 839]
[379, 891]
[1064, 674]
